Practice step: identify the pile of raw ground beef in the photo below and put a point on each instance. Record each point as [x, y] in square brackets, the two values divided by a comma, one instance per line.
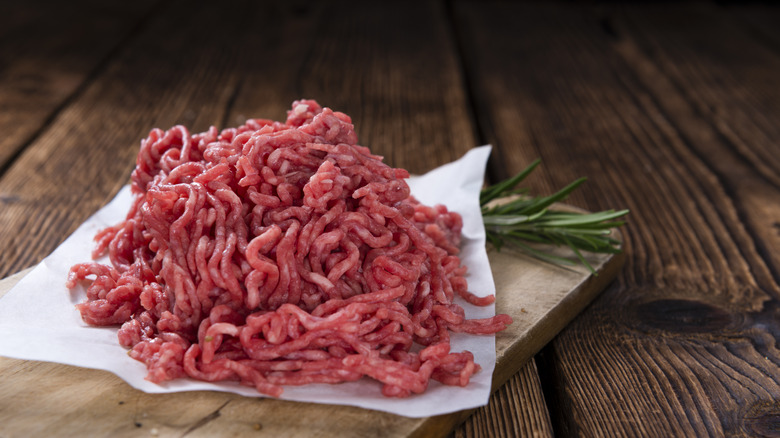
[282, 254]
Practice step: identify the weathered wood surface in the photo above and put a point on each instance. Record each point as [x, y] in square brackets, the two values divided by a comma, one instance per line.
[671, 110]
[48, 54]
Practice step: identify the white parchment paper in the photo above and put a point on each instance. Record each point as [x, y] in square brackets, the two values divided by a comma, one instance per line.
[38, 320]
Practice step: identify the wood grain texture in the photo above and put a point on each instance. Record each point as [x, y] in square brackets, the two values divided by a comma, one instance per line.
[41, 399]
[671, 111]
[165, 75]
[508, 414]
[47, 51]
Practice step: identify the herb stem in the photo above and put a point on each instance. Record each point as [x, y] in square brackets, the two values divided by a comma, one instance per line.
[513, 217]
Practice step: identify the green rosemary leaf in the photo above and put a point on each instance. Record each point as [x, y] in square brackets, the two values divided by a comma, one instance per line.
[522, 220]
[505, 188]
[579, 255]
[505, 220]
[587, 219]
[550, 258]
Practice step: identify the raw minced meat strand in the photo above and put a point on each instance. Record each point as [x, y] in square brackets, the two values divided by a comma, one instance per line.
[281, 254]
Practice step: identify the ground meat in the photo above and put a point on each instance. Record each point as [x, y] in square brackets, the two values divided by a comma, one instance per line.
[282, 254]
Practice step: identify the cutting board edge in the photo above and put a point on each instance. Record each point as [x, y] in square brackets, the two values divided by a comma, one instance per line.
[542, 333]
[556, 320]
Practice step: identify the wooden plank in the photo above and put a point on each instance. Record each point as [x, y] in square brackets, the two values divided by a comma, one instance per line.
[725, 108]
[47, 52]
[508, 414]
[682, 344]
[727, 104]
[86, 154]
[540, 297]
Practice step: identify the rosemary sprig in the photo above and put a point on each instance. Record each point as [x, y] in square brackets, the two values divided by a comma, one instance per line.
[525, 220]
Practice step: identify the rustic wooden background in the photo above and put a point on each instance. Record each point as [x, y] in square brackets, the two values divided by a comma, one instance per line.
[671, 110]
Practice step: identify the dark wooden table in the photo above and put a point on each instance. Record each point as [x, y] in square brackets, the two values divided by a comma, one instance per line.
[670, 110]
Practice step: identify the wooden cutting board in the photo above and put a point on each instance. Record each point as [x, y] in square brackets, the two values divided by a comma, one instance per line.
[46, 399]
